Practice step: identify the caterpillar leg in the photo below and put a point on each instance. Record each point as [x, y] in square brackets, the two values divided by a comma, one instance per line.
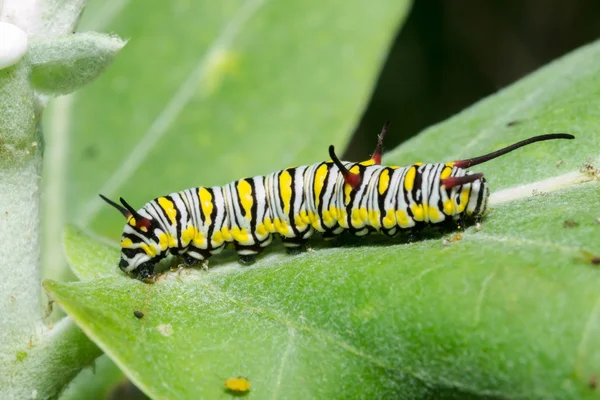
[294, 246]
[247, 254]
[192, 261]
[247, 259]
[145, 273]
[460, 223]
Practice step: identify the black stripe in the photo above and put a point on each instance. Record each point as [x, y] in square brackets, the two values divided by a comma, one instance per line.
[177, 221]
[213, 218]
[479, 198]
[291, 214]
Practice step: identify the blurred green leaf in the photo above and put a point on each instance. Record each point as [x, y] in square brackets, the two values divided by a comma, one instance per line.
[508, 311]
[61, 65]
[96, 382]
[88, 257]
[207, 92]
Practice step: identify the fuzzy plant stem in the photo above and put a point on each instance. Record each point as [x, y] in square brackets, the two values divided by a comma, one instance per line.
[20, 169]
[40, 57]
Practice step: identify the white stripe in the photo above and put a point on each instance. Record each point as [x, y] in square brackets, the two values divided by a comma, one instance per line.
[536, 188]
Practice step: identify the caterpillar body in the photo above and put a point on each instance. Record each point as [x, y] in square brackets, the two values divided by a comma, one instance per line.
[328, 197]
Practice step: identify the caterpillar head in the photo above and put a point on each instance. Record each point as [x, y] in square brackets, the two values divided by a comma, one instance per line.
[140, 250]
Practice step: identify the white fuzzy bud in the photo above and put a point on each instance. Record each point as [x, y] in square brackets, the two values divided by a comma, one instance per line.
[13, 44]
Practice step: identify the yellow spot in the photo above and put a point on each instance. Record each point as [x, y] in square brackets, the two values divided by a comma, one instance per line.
[305, 217]
[188, 235]
[239, 235]
[347, 191]
[245, 192]
[285, 190]
[417, 211]
[226, 234]
[357, 220]
[206, 203]
[198, 239]
[237, 385]
[169, 208]
[334, 212]
[320, 175]
[281, 226]
[166, 240]
[343, 218]
[374, 218]
[327, 219]
[363, 214]
[390, 219]
[217, 238]
[418, 164]
[464, 199]
[409, 179]
[450, 164]
[446, 172]
[434, 214]
[368, 162]
[402, 219]
[384, 181]
[150, 250]
[132, 221]
[299, 221]
[315, 220]
[269, 225]
[260, 230]
[449, 207]
[126, 243]
[355, 169]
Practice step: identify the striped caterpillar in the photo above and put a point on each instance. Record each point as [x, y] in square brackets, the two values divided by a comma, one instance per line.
[328, 197]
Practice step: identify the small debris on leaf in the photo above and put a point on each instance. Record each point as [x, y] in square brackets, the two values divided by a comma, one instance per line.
[239, 386]
[590, 257]
[165, 329]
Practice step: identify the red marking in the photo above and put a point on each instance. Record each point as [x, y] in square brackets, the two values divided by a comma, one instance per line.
[462, 163]
[376, 157]
[453, 181]
[350, 178]
[142, 223]
[354, 180]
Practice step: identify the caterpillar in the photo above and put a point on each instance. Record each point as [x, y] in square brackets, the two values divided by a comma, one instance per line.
[327, 197]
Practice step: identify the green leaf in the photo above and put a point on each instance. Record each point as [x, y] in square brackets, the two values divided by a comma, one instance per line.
[494, 313]
[88, 257]
[96, 382]
[207, 92]
[61, 65]
[509, 310]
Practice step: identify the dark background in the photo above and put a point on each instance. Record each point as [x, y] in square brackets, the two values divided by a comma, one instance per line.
[452, 53]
